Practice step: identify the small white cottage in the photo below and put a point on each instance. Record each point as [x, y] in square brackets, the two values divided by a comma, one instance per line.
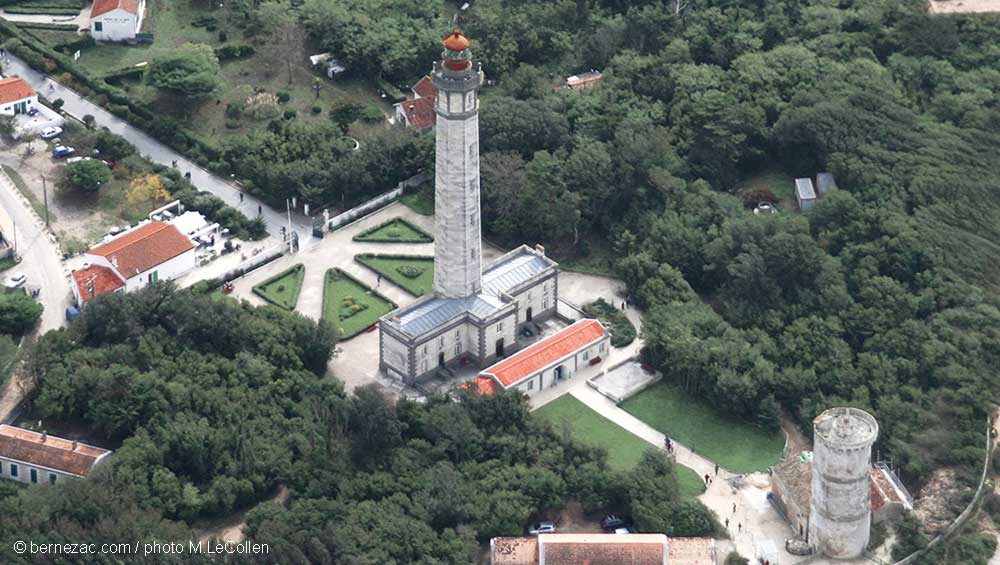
[116, 20]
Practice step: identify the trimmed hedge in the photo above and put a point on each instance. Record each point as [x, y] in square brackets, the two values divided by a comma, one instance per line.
[43, 11]
[421, 235]
[54, 27]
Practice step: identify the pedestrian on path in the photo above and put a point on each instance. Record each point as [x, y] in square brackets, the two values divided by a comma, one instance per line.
[241, 197]
[260, 210]
[739, 527]
[716, 469]
[734, 508]
[378, 281]
[727, 523]
[708, 479]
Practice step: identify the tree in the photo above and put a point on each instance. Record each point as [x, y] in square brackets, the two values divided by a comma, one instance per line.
[18, 312]
[190, 70]
[147, 188]
[87, 176]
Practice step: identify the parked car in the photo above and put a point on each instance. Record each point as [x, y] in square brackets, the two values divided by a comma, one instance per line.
[33, 111]
[612, 522]
[62, 151]
[16, 280]
[542, 528]
[50, 132]
[77, 159]
[624, 530]
[110, 164]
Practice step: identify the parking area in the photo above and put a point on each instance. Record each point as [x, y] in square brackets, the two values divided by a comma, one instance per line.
[624, 380]
[27, 125]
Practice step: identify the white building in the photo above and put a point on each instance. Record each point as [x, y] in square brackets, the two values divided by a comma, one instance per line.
[16, 96]
[805, 194]
[31, 457]
[548, 362]
[116, 20]
[150, 252]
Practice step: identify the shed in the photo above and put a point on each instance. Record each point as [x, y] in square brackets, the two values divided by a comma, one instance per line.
[825, 183]
[805, 195]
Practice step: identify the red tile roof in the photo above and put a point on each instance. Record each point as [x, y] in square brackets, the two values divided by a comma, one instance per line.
[104, 280]
[514, 551]
[13, 89]
[105, 6]
[540, 355]
[51, 452]
[425, 88]
[143, 248]
[420, 112]
[483, 385]
[603, 549]
[691, 551]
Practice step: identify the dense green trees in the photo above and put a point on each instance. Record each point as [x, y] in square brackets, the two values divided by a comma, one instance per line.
[191, 70]
[18, 312]
[87, 176]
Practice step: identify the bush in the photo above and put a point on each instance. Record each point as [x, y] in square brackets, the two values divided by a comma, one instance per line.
[410, 271]
[735, 558]
[234, 109]
[372, 114]
[290, 114]
[317, 110]
[262, 106]
[87, 176]
[284, 97]
[230, 52]
[223, 37]
[88, 120]
[18, 312]
[58, 103]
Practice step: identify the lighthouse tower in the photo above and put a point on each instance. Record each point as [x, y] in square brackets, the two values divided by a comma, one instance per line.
[457, 248]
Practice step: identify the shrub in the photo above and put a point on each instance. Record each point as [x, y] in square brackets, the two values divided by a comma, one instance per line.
[223, 37]
[234, 109]
[372, 114]
[87, 175]
[317, 110]
[58, 103]
[410, 271]
[262, 106]
[88, 120]
[230, 52]
[281, 288]
[290, 114]
[284, 97]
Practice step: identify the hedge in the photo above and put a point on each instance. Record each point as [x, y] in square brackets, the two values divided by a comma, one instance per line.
[54, 27]
[43, 11]
[230, 52]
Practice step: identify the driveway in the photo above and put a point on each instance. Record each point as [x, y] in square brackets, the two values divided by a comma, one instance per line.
[77, 106]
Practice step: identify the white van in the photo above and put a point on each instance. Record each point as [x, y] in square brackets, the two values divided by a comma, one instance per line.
[766, 553]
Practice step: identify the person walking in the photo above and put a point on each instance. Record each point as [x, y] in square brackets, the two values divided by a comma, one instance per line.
[707, 478]
[734, 508]
[260, 210]
[739, 527]
[241, 198]
[727, 523]
[378, 280]
[716, 469]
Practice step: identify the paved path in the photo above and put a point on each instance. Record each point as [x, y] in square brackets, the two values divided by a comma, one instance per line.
[77, 106]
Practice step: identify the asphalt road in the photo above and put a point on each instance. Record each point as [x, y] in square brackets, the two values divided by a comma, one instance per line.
[77, 106]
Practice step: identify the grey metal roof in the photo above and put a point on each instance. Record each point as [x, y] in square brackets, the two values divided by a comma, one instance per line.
[510, 271]
[804, 189]
[824, 182]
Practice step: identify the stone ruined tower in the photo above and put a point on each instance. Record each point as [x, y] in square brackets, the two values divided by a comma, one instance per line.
[840, 509]
[457, 247]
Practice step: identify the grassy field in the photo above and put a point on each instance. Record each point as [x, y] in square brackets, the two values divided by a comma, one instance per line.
[397, 269]
[421, 201]
[396, 230]
[624, 448]
[352, 306]
[282, 289]
[778, 183]
[734, 445]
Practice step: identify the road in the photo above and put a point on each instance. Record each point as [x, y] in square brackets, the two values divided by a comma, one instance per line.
[41, 261]
[77, 106]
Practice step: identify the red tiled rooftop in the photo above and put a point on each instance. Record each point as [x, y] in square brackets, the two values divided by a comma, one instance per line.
[13, 89]
[602, 549]
[540, 355]
[51, 452]
[104, 280]
[105, 6]
[143, 248]
[425, 88]
[420, 112]
[691, 551]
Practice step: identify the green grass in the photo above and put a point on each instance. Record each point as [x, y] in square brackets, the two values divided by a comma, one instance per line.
[36, 204]
[282, 290]
[396, 230]
[624, 448]
[622, 329]
[420, 201]
[777, 182]
[734, 445]
[351, 305]
[392, 266]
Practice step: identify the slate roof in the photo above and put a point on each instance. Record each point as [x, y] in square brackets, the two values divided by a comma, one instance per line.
[542, 354]
[105, 280]
[13, 89]
[33, 448]
[804, 189]
[105, 6]
[143, 248]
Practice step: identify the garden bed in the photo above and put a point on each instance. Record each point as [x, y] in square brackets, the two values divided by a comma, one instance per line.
[621, 328]
[396, 230]
[414, 274]
[350, 304]
[282, 290]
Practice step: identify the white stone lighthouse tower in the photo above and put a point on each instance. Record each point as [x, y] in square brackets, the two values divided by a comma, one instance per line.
[840, 506]
[457, 248]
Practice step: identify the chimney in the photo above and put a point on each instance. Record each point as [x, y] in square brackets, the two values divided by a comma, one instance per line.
[45, 436]
[75, 444]
[114, 261]
[540, 249]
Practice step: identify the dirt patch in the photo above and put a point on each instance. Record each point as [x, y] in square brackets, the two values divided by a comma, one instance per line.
[230, 528]
[941, 500]
[573, 520]
[963, 6]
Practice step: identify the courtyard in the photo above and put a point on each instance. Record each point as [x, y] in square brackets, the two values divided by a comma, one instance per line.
[411, 273]
[350, 305]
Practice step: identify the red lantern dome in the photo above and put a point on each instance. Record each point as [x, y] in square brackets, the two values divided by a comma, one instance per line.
[456, 42]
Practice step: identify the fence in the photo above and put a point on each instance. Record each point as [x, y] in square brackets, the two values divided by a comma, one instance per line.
[379, 201]
[254, 261]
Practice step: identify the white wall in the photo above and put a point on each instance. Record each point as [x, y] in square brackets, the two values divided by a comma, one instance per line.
[8, 108]
[506, 328]
[571, 364]
[24, 472]
[171, 269]
[395, 354]
[117, 25]
[540, 299]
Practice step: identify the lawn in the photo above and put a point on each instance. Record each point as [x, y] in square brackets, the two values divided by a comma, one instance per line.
[622, 329]
[421, 200]
[734, 445]
[351, 305]
[624, 448]
[282, 289]
[414, 274]
[779, 184]
[396, 230]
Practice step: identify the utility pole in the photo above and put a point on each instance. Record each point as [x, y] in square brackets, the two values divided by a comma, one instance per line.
[45, 199]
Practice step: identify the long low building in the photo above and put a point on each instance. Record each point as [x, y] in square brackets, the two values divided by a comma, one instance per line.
[32, 457]
[549, 361]
[602, 549]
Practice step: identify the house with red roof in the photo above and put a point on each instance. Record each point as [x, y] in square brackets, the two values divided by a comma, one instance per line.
[116, 20]
[16, 96]
[418, 112]
[602, 549]
[549, 361]
[150, 252]
[31, 457]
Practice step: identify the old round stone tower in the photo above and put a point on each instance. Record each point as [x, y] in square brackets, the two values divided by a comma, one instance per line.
[840, 508]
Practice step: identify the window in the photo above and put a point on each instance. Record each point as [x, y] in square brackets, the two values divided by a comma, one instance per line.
[423, 366]
[52, 478]
[586, 355]
[441, 343]
[545, 303]
[98, 26]
[500, 327]
[458, 349]
[602, 347]
[425, 350]
[13, 470]
[458, 336]
[34, 475]
[531, 384]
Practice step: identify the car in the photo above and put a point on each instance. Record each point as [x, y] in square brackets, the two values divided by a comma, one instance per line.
[16, 280]
[33, 112]
[77, 159]
[542, 528]
[110, 164]
[612, 522]
[50, 132]
[62, 151]
[624, 530]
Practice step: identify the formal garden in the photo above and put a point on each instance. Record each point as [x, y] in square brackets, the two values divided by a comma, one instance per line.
[350, 305]
[621, 328]
[396, 230]
[624, 448]
[414, 274]
[282, 289]
[735, 445]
